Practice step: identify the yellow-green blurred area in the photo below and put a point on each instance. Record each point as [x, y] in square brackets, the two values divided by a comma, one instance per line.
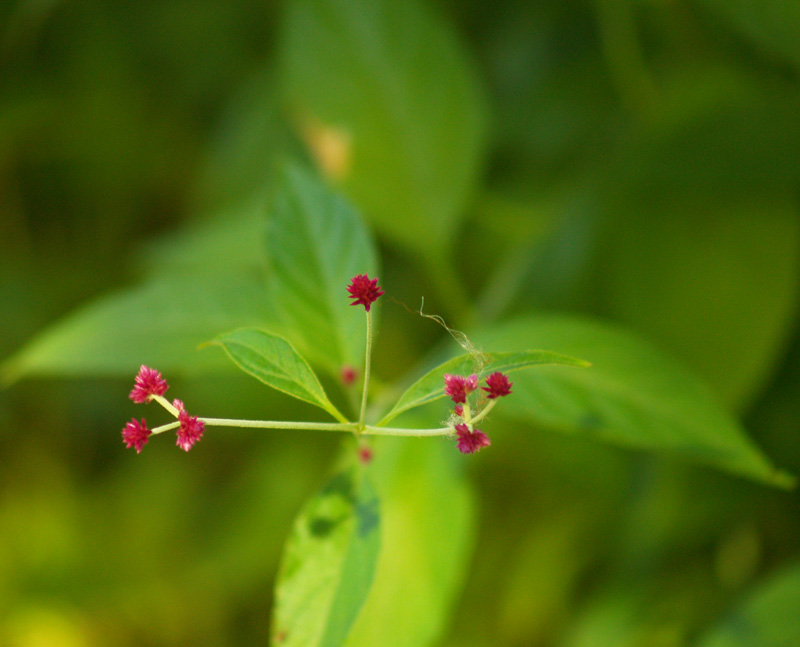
[635, 162]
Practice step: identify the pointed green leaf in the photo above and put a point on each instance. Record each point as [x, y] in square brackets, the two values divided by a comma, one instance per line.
[661, 277]
[428, 522]
[274, 361]
[633, 396]
[430, 387]
[316, 244]
[770, 618]
[328, 564]
[160, 323]
[391, 82]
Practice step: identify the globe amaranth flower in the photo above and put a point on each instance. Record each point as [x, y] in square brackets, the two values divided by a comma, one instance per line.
[497, 386]
[191, 429]
[148, 383]
[459, 387]
[364, 290]
[470, 442]
[136, 434]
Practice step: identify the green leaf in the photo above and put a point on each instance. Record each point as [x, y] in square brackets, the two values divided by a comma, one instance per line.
[725, 309]
[316, 244]
[250, 135]
[769, 618]
[430, 387]
[633, 396]
[774, 25]
[718, 163]
[160, 323]
[228, 240]
[428, 524]
[392, 83]
[274, 361]
[328, 564]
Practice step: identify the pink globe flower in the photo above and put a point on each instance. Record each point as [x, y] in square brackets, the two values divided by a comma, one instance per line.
[364, 291]
[459, 387]
[498, 386]
[148, 383]
[136, 434]
[191, 429]
[470, 442]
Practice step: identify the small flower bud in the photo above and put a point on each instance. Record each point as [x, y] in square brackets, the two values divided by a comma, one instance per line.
[365, 455]
[348, 375]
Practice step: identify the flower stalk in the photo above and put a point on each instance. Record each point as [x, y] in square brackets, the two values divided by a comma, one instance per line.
[367, 363]
[464, 391]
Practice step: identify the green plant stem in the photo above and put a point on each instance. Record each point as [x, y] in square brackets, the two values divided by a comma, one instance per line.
[163, 428]
[279, 424]
[166, 404]
[266, 424]
[311, 426]
[482, 414]
[366, 374]
[401, 431]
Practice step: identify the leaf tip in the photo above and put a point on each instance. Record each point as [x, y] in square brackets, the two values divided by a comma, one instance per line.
[10, 373]
[783, 480]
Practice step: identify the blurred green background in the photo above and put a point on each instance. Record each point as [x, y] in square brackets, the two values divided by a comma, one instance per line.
[632, 160]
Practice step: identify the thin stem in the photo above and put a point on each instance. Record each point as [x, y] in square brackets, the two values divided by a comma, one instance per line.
[166, 404]
[366, 372]
[265, 424]
[279, 424]
[163, 428]
[483, 413]
[395, 431]
[311, 426]
[452, 292]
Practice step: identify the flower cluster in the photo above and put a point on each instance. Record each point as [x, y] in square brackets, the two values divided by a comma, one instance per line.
[458, 387]
[472, 400]
[148, 386]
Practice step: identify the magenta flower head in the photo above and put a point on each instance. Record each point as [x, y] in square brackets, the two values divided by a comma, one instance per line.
[470, 442]
[147, 384]
[364, 291]
[498, 386]
[136, 434]
[191, 429]
[459, 387]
